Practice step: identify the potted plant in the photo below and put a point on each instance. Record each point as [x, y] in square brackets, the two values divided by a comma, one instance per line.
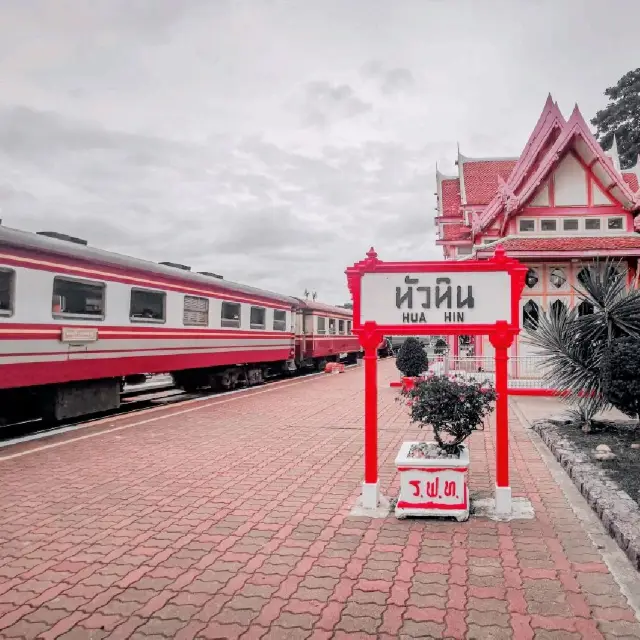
[411, 361]
[434, 475]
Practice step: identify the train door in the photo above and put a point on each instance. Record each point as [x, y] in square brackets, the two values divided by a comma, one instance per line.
[307, 334]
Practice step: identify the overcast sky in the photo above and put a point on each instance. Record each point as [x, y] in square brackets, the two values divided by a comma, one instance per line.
[274, 141]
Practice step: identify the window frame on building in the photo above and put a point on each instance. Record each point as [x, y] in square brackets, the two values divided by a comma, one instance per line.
[554, 222]
[531, 220]
[610, 219]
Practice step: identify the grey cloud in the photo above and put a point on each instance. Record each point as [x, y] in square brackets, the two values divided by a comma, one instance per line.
[393, 80]
[249, 138]
[397, 80]
[325, 103]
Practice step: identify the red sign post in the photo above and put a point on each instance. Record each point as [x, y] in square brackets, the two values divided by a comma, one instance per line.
[471, 297]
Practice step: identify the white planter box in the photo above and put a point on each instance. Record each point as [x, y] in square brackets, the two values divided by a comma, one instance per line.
[433, 487]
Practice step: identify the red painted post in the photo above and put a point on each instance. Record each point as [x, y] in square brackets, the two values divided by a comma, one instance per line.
[502, 419]
[501, 340]
[371, 414]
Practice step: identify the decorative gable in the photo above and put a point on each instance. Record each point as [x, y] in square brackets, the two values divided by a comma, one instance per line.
[561, 167]
[541, 198]
[600, 198]
[570, 183]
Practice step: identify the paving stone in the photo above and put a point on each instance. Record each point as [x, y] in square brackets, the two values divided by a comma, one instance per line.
[236, 524]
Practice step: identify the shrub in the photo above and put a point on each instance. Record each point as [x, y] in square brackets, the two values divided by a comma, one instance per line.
[622, 385]
[453, 407]
[412, 358]
[577, 344]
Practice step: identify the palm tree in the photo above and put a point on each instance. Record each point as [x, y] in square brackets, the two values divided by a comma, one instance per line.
[575, 345]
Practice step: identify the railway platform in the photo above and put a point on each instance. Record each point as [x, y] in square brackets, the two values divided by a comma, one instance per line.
[230, 517]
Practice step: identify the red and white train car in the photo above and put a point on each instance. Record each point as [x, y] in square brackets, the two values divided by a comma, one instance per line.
[76, 322]
[323, 333]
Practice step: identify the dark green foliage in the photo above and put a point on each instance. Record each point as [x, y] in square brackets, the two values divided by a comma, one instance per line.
[622, 386]
[412, 358]
[440, 346]
[622, 118]
[577, 349]
[454, 408]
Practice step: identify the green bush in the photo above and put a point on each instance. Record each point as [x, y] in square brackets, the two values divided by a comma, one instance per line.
[454, 408]
[622, 386]
[412, 358]
[577, 345]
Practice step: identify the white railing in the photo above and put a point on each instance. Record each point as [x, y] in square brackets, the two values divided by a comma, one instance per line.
[525, 372]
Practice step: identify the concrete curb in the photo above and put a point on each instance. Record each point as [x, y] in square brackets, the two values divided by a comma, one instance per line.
[619, 513]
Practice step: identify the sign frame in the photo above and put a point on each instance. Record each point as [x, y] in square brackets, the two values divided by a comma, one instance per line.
[501, 335]
[500, 263]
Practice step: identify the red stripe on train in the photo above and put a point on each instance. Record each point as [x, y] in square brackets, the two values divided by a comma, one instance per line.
[36, 373]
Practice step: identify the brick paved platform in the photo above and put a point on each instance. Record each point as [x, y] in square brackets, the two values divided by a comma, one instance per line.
[230, 518]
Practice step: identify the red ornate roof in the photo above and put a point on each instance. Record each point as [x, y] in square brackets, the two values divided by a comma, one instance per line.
[481, 178]
[451, 198]
[455, 232]
[632, 180]
[487, 193]
[585, 243]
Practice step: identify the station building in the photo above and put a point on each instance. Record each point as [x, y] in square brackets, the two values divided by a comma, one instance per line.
[561, 204]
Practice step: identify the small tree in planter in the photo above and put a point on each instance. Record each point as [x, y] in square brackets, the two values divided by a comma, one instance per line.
[433, 475]
[412, 360]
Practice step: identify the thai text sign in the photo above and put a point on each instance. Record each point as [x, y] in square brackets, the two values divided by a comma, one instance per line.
[433, 489]
[438, 298]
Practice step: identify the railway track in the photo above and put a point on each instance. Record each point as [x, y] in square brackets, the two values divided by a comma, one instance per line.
[135, 398]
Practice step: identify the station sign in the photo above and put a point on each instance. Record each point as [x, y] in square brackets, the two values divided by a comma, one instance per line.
[436, 298]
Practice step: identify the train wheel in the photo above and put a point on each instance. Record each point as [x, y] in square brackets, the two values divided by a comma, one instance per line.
[226, 381]
[321, 364]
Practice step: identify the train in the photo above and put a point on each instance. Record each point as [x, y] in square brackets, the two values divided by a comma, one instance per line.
[77, 323]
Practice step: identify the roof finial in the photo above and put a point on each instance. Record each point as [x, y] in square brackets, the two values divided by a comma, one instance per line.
[613, 153]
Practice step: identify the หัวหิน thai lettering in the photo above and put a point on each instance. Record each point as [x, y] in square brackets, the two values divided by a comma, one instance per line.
[442, 297]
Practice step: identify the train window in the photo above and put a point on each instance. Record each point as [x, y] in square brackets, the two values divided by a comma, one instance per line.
[341, 326]
[147, 306]
[332, 326]
[6, 292]
[77, 298]
[258, 318]
[196, 311]
[322, 326]
[230, 316]
[279, 320]
[349, 327]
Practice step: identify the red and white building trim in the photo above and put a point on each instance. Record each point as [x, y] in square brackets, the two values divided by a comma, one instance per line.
[559, 205]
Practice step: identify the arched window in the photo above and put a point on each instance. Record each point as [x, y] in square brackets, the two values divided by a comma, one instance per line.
[585, 308]
[557, 277]
[530, 316]
[557, 308]
[532, 278]
[583, 275]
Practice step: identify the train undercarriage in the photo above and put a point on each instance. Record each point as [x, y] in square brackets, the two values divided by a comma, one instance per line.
[55, 403]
